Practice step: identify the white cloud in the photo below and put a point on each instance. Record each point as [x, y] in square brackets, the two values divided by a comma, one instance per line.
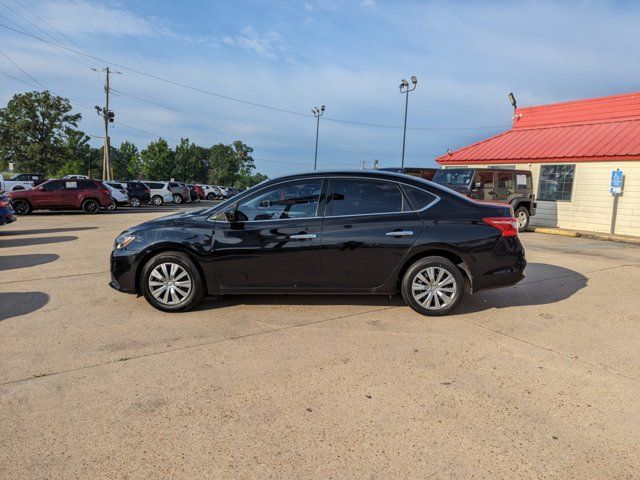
[269, 44]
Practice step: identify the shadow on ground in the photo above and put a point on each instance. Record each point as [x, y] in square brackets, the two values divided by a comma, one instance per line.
[12, 262]
[543, 285]
[14, 304]
[26, 242]
[39, 231]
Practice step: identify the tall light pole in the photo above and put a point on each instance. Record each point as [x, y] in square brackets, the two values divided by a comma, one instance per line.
[404, 88]
[317, 112]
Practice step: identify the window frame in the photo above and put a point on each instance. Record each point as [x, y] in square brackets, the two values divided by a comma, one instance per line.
[573, 181]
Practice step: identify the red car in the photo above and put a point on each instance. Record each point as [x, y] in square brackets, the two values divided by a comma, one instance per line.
[66, 194]
[199, 190]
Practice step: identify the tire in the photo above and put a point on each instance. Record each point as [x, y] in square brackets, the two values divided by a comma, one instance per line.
[416, 284]
[211, 196]
[522, 217]
[90, 206]
[157, 274]
[177, 198]
[113, 206]
[157, 200]
[134, 202]
[21, 207]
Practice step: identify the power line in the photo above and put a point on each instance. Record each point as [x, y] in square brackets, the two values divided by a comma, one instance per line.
[21, 69]
[235, 99]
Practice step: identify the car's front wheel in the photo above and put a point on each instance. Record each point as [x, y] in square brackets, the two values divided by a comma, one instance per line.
[134, 202]
[177, 198]
[112, 206]
[211, 196]
[433, 286]
[91, 206]
[522, 217]
[157, 200]
[171, 282]
[21, 207]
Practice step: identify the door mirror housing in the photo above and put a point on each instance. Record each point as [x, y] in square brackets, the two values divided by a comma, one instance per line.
[479, 185]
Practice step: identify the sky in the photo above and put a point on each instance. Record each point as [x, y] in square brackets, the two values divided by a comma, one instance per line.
[219, 71]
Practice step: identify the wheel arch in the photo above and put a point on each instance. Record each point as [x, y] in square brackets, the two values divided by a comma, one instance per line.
[151, 252]
[437, 251]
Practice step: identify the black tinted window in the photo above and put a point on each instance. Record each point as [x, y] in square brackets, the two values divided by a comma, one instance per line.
[174, 185]
[419, 198]
[52, 185]
[155, 186]
[86, 185]
[361, 197]
[291, 200]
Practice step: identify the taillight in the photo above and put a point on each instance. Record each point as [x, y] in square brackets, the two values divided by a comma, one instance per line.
[146, 190]
[508, 226]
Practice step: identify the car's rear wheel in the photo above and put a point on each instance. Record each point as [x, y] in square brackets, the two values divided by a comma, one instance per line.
[134, 202]
[171, 282]
[112, 206]
[91, 206]
[157, 200]
[211, 196]
[433, 286]
[177, 198]
[522, 217]
[21, 207]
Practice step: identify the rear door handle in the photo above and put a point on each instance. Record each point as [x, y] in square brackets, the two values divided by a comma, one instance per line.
[303, 236]
[400, 233]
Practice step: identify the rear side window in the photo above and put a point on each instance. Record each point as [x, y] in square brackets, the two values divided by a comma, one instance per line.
[364, 197]
[419, 198]
[86, 185]
[174, 185]
[523, 180]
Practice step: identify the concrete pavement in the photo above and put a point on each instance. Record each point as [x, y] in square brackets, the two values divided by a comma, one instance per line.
[540, 380]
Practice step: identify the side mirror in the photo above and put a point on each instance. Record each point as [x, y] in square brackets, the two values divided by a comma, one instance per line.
[230, 215]
[479, 185]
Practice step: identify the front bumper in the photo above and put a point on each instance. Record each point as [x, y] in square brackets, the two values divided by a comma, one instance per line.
[123, 271]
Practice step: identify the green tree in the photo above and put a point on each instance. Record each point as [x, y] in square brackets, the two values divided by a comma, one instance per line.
[191, 162]
[126, 162]
[34, 132]
[79, 157]
[157, 160]
[230, 163]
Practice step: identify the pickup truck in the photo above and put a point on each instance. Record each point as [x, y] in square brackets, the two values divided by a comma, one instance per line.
[16, 182]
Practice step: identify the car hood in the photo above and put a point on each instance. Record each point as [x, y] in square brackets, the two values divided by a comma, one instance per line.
[175, 219]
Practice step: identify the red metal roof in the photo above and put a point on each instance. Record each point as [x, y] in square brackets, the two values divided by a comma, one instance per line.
[595, 129]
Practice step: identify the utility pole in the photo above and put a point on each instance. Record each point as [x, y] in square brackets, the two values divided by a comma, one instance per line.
[317, 112]
[404, 88]
[108, 117]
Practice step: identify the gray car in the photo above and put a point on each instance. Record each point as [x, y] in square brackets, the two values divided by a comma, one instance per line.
[180, 192]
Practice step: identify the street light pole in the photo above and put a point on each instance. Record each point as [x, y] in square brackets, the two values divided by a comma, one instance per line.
[404, 88]
[317, 112]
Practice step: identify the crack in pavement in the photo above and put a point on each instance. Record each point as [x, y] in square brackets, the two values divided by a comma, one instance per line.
[188, 347]
[56, 277]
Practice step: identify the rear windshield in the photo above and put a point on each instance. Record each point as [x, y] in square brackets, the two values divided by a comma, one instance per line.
[459, 177]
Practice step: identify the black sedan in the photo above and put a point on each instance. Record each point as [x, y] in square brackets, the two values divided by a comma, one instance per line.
[364, 232]
[7, 215]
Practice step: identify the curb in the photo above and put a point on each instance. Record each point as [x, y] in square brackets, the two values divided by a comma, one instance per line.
[590, 235]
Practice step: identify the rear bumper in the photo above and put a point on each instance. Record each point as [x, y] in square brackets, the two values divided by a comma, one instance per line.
[507, 266]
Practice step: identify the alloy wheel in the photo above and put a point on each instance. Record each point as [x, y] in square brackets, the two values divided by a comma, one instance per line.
[177, 198]
[134, 202]
[434, 288]
[170, 283]
[521, 217]
[20, 207]
[91, 206]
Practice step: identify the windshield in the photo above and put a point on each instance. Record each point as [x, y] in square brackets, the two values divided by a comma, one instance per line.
[460, 177]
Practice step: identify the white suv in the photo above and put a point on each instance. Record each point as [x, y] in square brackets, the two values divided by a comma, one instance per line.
[211, 192]
[118, 194]
[160, 192]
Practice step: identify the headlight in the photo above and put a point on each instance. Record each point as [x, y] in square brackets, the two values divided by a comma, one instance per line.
[123, 240]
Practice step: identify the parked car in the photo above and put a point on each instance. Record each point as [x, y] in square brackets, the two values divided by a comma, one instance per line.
[35, 178]
[6, 212]
[76, 177]
[160, 192]
[211, 192]
[193, 193]
[138, 192]
[345, 232]
[223, 191]
[426, 173]
[513, 187]
[118, 194]
[14, 185]
[180, 192]
[87, 195]
[199, 191]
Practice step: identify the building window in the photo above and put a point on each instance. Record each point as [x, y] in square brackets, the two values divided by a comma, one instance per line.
[556, 182]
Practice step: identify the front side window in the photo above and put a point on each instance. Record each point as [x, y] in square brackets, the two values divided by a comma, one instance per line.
[363, 197]
[483, 179]
[52, 186]
[556, 182]
[291, 200]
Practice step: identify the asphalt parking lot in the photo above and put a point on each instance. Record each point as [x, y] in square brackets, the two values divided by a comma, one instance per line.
[540, 380]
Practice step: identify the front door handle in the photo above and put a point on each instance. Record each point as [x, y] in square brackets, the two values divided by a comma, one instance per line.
[303, 236]
[400, 233]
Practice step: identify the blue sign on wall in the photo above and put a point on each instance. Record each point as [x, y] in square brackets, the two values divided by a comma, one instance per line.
[616, 182]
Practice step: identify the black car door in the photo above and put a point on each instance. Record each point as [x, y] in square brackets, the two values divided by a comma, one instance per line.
[368, 229]
[274, 241]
